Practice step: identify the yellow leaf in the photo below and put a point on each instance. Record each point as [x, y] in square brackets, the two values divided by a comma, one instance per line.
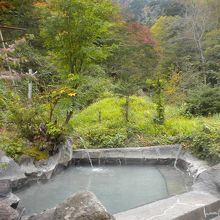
[72, 94]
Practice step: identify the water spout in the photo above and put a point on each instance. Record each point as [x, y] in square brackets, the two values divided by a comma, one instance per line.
[90, 161]
[177, 158]
[100, 157]
[119, 161]
[86, 150]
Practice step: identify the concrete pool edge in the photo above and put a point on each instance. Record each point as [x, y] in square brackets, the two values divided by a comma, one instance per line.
[204, 187]
[188, 206]
[162, 155]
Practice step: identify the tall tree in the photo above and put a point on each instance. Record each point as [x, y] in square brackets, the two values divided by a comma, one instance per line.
[197, 20]
[76, 34]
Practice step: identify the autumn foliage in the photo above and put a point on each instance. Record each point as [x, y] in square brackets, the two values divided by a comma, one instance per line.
[4, 5]
[142, 33]
[40, 4]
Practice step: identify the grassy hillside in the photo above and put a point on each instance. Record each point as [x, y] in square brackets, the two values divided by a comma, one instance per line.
[103, 124]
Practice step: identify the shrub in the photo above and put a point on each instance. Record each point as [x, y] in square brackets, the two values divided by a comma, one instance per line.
[55, 134]
[101, 136]
[91, 89]
[31, 123]
[27, 119]
[12, 145]
[4, 95]
[15, 146]
[204, 102]
[115, 141]
[206, 146]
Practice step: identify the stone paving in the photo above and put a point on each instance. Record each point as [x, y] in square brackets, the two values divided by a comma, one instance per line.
[188, 206]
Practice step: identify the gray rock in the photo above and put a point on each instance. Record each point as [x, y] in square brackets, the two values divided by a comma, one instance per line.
[47, 215]
[5, 187]
[6, 196]
[62, 159]
[27, 166]
[209, 181]
[82, 206]
[7, 212]
[9, 169]
[194, 165]
[25, 160]
[10, 200]
[65, 153]
[28, 170]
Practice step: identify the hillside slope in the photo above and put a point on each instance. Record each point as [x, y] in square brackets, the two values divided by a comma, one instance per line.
[103, 123]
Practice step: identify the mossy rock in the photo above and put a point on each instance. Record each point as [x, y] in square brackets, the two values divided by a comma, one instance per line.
[36, 153]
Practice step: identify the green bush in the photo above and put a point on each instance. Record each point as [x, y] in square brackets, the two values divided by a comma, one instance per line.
[15, 146]
[27, 119]
[55, 132]
[32, 124]
[205, 101]
[206, 145]
[109, 141]
[91, 89]
[12, 145]
[101, 136]
[4, 95]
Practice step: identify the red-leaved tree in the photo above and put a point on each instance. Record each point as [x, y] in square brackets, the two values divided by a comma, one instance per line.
[141, 33]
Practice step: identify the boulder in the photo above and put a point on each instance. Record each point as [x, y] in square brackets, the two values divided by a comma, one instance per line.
[9, 169]
[65, 153]
[209, 181]
[10, 200]
[81, 206]
[56, 162]
[6, 196]
[27, 166]
[5, 187]
[47, 215]
[7, 212]
[25, 160]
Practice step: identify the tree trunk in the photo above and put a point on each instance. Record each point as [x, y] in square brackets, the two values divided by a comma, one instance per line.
[127, 109]
[7, 60]
[197, 14]
[71, 64]
[30, 86]
[68, 117]
[52, 108]
[100, 117]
